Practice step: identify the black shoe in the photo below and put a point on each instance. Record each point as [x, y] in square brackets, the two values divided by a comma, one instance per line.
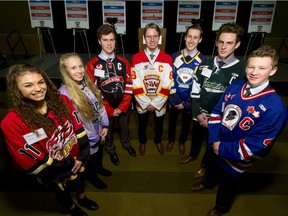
[104, 172]
[131, 151]
[87, 203]
[114, 159]
[97, 182]
[77, 211]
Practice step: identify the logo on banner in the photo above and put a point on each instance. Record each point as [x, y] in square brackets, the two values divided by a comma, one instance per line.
[77, 24]
[42, 23]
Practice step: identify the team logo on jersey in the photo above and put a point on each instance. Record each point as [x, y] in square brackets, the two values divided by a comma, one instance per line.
[151, 83]
[62, 141]
[113, 84]
[99, 66]
[213, 87]
[231, 116]
[184, 77]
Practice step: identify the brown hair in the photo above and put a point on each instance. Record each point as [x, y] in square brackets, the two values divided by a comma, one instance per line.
[230, 28]
[196, 27]
[105, 29]
[196, 24]
[28, 110]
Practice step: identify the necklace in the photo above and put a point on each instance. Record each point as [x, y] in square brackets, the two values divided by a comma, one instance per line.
[43, 109]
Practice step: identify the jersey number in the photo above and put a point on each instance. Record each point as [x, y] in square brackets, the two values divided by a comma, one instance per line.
[28, 148]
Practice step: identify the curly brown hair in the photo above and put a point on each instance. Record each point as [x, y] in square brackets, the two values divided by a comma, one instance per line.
[26, 109]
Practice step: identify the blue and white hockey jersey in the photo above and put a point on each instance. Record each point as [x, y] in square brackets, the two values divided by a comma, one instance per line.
[183, 75]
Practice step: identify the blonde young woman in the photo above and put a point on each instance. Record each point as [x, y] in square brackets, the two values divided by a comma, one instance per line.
[90, 110]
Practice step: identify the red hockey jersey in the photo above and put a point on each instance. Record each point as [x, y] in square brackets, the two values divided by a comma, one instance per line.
[32, 158]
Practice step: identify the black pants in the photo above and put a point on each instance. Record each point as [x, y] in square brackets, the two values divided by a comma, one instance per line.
[64, 196]
[228, 184]
[198, 135]
[142, 127]
[95, 163]
[185, 125]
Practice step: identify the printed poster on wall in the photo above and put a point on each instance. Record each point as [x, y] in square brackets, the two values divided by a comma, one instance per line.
[152, 12]
[224, 11]
[40, 13]
[187, 10]
[261, 17]
[115, 11]
[76, 14]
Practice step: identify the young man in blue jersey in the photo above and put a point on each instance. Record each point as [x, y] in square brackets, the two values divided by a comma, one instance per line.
[242, 128]
[185, 65]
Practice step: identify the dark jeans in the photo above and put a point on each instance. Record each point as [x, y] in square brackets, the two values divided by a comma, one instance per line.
[228, 184]
[185, 125]
[142, 127]
[122, 121]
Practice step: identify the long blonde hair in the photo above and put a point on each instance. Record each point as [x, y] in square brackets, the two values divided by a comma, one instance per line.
[79, 98]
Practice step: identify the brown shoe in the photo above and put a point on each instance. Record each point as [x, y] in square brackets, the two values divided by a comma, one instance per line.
[181, 148]
[197, 187]
[169, 146]
[186, 159]
[142, 149]
[214, 212]
[160, 148]
[200, 173]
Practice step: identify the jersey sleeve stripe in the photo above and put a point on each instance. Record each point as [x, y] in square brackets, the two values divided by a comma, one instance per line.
[42, 166]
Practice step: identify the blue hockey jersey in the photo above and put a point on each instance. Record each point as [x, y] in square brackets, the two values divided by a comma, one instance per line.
[245, 125]
[183, 75]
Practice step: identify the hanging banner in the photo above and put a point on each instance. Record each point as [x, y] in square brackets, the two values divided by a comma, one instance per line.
[187, 10]
[40, 13]
[115, 12]
[152, 12]
[224, 11]
[77, 14]
[261, 17]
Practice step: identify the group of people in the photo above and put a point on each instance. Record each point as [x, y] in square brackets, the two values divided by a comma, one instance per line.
[59, 134]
